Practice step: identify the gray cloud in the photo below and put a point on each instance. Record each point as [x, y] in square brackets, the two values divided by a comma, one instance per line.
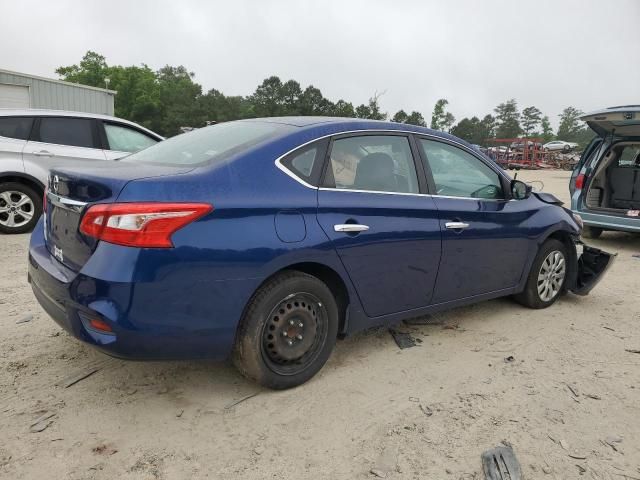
[475, 53]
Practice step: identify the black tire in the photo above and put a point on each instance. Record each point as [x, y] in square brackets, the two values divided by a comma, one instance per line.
[591, 232]
[288, 331]
[9, 213]
[530, 296]
[566, 148]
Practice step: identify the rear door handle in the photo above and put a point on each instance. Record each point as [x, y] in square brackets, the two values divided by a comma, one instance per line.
[44, 153]
[456, 225]
[350, 227]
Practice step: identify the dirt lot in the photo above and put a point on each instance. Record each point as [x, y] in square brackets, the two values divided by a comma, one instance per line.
[568, 401]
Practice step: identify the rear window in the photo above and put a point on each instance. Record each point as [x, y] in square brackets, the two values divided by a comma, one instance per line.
[209, 144]
[15, 127]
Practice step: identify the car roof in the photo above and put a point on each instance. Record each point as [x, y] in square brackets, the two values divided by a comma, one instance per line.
[339, 125]
[41, 112]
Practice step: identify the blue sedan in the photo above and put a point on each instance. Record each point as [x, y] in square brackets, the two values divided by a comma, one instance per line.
[264, 240]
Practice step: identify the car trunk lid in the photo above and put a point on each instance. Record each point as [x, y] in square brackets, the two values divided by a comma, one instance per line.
[69, 192]
[618, 121]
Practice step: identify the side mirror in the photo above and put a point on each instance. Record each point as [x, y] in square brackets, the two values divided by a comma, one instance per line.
[520, 190]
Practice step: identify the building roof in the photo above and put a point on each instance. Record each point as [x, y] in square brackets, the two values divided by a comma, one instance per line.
[52, 80]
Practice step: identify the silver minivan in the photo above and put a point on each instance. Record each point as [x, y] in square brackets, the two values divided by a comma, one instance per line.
[34, 141]
[605, 185]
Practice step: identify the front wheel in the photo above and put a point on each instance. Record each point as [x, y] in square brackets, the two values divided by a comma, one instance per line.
[547, 276]
[288, 331]
[20, 208]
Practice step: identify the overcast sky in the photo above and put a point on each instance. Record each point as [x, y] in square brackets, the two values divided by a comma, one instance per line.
[550, 54]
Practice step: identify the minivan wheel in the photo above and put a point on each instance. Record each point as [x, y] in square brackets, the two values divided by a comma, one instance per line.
[288, 331]
[591, 232]
[20, 208]
[547, 276]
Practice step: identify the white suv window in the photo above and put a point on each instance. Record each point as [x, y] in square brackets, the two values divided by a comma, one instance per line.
[125, 139]
[75, 132]
[15, 127]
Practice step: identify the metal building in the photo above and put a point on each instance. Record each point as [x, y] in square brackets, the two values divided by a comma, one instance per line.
[21, 90]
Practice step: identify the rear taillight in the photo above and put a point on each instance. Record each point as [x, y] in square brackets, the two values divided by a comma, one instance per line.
[140, 224]
[580, 181]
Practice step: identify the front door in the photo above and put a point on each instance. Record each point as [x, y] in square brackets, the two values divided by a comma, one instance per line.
[385, 231]
[484, 234]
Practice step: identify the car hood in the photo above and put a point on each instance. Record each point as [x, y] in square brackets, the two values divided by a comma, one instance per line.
[621, 121]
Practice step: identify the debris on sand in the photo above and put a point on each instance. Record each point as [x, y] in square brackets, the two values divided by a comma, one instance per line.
[500, 463]
[42, 422]
[77, 376]
[240, 400]
[25, 319]
[403, 340]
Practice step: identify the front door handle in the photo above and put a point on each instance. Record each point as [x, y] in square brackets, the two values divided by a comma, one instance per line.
[44, 153]
[350, 227]
[456, 225]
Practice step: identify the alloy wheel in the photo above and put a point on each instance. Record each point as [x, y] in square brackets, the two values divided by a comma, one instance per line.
[551, 276]
[16, 209]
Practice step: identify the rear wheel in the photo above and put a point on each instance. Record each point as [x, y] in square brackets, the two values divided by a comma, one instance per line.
[591, 232]
[20, 208]
[547, 276]
[288, 331]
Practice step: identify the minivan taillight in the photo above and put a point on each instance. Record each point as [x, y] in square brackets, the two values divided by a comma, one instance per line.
[580, 181]
[143, 225]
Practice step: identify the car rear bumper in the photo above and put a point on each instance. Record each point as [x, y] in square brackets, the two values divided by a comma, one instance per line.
[609, 222]
[149, 321]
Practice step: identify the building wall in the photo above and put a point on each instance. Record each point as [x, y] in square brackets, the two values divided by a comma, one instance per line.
[59, 95]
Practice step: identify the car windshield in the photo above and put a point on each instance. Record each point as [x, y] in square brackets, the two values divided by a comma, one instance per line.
[209, 144]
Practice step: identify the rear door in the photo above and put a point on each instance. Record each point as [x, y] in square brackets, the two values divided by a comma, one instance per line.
[61, 142]
[484, 234]
[382, 223]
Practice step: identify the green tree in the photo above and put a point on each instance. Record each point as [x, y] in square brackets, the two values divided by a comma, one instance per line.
[343, 109]
[508, 119]
[312, 102]
[92, 70]
[531, 118]
[372, 110]
[547, 130]
[474, 130]
[416, 118]
[570, 124]
[400, 117]
[268, 99]
[440, 118]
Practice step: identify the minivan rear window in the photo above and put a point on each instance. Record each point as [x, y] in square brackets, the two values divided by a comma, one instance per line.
[215, 143]
[15, 127]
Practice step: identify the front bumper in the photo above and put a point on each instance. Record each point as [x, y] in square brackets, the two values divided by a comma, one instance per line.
[591, 268]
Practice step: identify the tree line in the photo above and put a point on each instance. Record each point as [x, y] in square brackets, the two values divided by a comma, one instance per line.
[168, 99]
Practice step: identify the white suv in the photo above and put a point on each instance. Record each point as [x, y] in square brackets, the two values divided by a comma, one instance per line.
[34, 141]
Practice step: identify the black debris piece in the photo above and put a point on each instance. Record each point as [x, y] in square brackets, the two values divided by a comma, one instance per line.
[403, 340]
[500, 463]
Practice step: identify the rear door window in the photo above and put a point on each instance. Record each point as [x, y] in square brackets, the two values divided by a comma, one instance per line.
[377, 163]
[630, 156]
[125, 139]
[16, 127]
[74, 132]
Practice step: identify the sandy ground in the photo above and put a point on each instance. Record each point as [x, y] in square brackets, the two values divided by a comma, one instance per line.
[568, 402]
